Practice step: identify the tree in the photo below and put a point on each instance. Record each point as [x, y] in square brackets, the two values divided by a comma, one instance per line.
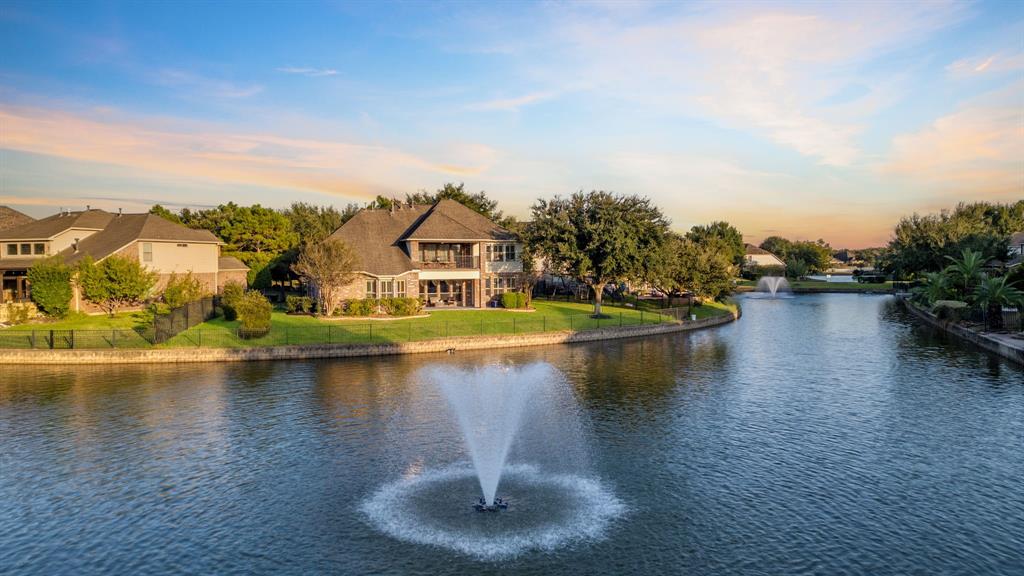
[992, 294]
[723, 235]
[50, 279]
[598, 237]
[329, 266]
[314, 223]
[245, 228]
[114, 282]
[164, 213]
[254, 313]
[478, 201]
[181, 290]
[936, 287]
[965, 271]
[777, 245]
[687, 265]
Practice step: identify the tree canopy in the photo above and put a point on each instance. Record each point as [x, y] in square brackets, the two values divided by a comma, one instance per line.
[598, 237]
[114, 282]
[723, 235]
[801, 256]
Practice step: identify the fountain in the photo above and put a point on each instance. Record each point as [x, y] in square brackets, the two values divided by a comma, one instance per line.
[773, 285]
[524, 434]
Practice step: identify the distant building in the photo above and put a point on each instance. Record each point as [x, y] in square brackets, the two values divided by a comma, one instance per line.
[1016, 249]
[158, 244]
[444, 253]
[760, 258]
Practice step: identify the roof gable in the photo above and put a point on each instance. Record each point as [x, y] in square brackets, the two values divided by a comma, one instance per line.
[450, 220]
[11, 218]
[125, 229]
[53, 225]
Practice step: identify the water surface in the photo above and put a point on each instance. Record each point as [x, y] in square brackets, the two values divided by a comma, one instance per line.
[822, 434]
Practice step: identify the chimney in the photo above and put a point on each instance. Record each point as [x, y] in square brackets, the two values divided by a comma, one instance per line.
[119, 212]
[75, 245]
[87, 207]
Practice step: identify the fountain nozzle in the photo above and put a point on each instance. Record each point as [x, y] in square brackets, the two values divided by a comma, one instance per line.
[483, 506]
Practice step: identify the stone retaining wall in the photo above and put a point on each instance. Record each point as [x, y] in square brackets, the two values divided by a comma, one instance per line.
[175, 355]
[991, 342]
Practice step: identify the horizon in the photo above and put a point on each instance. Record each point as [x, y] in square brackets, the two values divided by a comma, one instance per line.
[803, 121]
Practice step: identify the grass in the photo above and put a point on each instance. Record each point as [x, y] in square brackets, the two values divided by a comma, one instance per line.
[121, 330]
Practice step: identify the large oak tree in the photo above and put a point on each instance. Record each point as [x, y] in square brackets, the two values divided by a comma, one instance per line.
[598, 237]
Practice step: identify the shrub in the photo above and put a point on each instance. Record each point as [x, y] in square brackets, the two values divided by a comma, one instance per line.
[364, 307]
[952, 310]
[402, 306]
[51, 286]
[514, 300]
[114, 282]
[181, 290]
[253, 310]
[233, 292]
[298, 304]
[17, 313]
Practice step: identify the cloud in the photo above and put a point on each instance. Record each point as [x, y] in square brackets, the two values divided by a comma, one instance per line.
[976, 150]
[513, 104]
[175, 148]
[985, 65]
[203, 86]
[306, 71]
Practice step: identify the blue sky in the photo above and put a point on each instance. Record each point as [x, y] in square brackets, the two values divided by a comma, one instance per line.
[808, 120]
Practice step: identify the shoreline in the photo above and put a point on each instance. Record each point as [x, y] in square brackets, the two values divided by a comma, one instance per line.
[998, 344]
[313, 351]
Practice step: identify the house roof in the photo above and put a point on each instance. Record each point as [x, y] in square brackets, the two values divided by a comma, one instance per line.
[1017, 239]
[752, 250]
[450, 220]
[52, 225]
[125, 229]
[376, 236]
[225, 263]
[11, 218]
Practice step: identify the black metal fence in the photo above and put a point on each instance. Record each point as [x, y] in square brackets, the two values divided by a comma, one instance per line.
[343, 332]
[167, 326]
[1009, 320]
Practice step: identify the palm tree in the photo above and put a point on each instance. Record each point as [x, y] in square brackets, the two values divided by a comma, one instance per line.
[936, 287]
[966, 270]
[994, 293]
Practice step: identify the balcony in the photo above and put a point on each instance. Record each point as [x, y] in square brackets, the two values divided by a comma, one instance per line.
[453, 262]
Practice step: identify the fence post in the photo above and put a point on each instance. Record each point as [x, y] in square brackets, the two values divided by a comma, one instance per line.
[545, 321]
[371, 331]
[113, 338]
[199, 340]
[286, 339]
[33, 340]
[410, 333]
[72, 339]
[445, 328]
[641, 316]
[513, 325]
[51, 339]
[570, 323]
[620, 319]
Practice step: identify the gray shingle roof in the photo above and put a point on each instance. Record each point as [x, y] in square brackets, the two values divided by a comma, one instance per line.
[377, 236]
[225, 263]
[52, 225]
[128, 228]
[1017, 239]
[11, 218]
[752, 250]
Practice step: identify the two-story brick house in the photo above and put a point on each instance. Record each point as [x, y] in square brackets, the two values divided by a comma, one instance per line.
[445, 254]
[158, 244]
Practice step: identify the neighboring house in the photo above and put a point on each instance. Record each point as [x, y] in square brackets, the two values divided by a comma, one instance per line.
[1016, 249]
[445, 254]
[760, 257]
[158, 244]
[9, 218]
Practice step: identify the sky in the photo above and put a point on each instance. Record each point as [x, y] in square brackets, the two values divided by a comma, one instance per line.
[806, 120]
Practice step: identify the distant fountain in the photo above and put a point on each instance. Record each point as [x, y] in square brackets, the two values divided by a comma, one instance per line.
[489, 406]
[773, 285]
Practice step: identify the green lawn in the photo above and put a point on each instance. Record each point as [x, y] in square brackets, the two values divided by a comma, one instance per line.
[122, 330]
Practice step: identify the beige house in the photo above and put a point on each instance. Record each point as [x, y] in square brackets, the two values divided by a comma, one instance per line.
[445, 254]
[158, 244]
[760, 258]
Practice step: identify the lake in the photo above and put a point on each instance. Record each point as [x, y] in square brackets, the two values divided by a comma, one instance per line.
[819, 434]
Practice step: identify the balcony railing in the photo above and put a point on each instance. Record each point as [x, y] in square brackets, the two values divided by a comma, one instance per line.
[455, 262]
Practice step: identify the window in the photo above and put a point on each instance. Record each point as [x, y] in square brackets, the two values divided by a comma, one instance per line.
[510, 252]
[26, 249]
[12, 249]
[371, 288]
[400, 288]
[39, 249]
[434, 252]
[387, 288]
[147, 252]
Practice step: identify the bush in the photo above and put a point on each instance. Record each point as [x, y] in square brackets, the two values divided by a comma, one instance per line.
[181, 290]
[253, 310]
[364, 307]
[115, 282]
[51, 286]
[514, 300]
[233, 292]
[952, 310]
[402, 306]
[298, 304]
[17, 313]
